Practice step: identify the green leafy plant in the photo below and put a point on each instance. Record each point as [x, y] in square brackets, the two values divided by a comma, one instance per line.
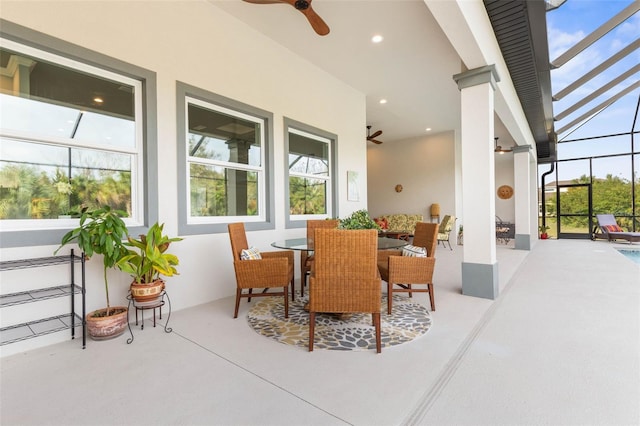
[543, 229]
[100, 231]
[358, 220]
[149, 258]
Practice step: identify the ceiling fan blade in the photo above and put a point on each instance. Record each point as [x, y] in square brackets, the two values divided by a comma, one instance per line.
[317, 23]
[376, 134]
[264, 1]
[304, 6]
[374, 141]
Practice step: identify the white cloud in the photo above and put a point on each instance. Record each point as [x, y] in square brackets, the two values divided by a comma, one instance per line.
[560, 41]
[575, 68]
[630, 28]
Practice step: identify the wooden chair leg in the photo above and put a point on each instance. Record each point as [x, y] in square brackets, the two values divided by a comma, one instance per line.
[249, 298]
[293, 289]
[376, 322]
[303, 283]
[312, 326]
[389, 297]
[286, 301]
[238, 293]
[410, 292]
[431, 297]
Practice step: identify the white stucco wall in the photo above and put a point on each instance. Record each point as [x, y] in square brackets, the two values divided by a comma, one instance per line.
[424, 167]
[196, 43]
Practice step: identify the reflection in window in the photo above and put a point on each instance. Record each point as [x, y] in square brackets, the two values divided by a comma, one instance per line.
[41, 181]
[225, 156]
[69, 136]
[309, 173]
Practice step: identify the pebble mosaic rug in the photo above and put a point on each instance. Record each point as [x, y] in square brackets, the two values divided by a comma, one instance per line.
[347, 332]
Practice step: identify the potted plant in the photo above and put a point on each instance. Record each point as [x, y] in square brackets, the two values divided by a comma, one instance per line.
[147, 261]
[460, 235]
[358, 220]
[543, 232]
[102, 231]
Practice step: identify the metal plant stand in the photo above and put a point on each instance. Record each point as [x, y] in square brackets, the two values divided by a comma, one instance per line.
[142, 306]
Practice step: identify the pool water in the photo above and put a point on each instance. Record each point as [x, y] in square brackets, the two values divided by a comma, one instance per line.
[633, 255]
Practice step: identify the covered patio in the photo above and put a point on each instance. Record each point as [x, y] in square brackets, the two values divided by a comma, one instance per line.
[560, 346]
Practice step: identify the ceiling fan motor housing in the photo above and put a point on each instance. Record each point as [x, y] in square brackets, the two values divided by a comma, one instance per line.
[301, 4]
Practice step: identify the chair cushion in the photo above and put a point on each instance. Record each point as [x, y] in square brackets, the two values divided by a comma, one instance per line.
[613, 228]
[414, 251]
[251, 253]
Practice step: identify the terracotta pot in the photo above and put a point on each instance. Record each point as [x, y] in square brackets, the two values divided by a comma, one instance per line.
[147, 292]
[107, 327]
[544, 236]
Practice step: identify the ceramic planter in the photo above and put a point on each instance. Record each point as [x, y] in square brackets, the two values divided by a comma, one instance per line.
[147, 292]
[107, 327]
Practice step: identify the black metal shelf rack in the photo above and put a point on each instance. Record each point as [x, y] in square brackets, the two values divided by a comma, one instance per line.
[41, 327]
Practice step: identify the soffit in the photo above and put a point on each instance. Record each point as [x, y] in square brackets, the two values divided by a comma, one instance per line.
[521, 31]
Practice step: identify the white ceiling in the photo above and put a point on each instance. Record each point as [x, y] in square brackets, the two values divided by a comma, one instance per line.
[412, 68]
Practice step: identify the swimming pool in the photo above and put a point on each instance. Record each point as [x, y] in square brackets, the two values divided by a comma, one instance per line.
[633, 255]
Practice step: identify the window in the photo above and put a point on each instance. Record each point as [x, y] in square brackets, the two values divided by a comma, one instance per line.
[71, 136]
[226, 157]
[310, 172]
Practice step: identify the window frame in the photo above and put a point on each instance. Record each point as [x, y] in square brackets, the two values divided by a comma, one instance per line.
[187, 225]
[47, 233]
[300, 221]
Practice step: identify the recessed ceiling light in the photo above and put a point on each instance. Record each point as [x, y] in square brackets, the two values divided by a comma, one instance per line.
[98, 100]
[383, 101]
[377, 38]
[428, 129]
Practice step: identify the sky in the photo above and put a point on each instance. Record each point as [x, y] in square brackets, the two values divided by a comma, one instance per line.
[567, 25]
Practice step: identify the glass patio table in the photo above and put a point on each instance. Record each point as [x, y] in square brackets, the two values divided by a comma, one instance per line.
[304, 244]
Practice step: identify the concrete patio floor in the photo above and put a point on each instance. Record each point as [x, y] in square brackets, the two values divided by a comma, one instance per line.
[561, 345]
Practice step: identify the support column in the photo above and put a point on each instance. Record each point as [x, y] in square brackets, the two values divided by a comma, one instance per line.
[479, 266]
[523, 199]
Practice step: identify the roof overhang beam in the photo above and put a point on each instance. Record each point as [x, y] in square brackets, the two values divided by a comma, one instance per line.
[600, 107]
[599, 32]
[598, 92]
[597, 70]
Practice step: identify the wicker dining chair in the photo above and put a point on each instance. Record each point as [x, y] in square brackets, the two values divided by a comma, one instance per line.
[345, 277]
[273, 269]
[306, 257]
[402, 273]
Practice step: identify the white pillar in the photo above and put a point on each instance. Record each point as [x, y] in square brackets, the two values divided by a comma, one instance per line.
[479, 266]
[523, 196]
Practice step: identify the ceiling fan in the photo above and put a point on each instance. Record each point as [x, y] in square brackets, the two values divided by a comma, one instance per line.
[499, 149]
[304, 6]
[371, 137]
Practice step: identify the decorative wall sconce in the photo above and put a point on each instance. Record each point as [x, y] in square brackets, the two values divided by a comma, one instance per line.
[499, 149]
[398, 188]
[505, 192]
